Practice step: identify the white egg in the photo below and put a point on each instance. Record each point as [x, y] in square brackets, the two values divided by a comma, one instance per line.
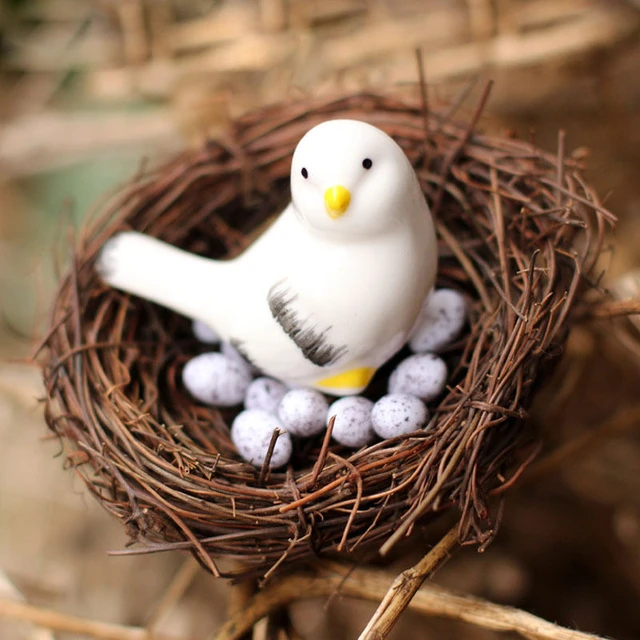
[443, 315]
[398, 414]
[264, 393]
[422, 375]
[251, 433]
[204, 333]
[232, 353]
[303, 412]
[216, 380]
[352, 426]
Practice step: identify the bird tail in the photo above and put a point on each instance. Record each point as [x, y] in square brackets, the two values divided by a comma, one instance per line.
[151, 269]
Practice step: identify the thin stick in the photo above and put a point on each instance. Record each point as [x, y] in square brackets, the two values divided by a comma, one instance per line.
[457, 148]
[370, 584]
[7, 589]
[322, 457]
[610, 309]
[71, 624]
[266, 465]
[404, 587]
[447, 115]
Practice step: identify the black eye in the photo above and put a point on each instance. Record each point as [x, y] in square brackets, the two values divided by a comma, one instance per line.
[305, 173]
[367, 163]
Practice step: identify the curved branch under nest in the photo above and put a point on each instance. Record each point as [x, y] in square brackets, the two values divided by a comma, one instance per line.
[519, 232]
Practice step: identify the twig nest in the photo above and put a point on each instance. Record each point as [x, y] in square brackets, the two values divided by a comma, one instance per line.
[519, 233]
[265, 394]
[352, 426]
[303, 412]
[216, 379]
[251, 433]
[442, 318]
[398, 414]
[422, 375]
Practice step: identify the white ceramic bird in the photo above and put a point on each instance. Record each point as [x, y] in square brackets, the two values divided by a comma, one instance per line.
[332, 289]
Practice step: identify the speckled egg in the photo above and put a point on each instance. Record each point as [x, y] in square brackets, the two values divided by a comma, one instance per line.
[215, 379]
[398, 414]
[303, 412]
[352, 426]
[204, 333]
[443, 315]
[264, 393]
[422, 375]
[251, 433]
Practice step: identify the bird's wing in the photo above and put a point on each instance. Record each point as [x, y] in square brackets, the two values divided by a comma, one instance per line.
[146, 267]
[313, 340]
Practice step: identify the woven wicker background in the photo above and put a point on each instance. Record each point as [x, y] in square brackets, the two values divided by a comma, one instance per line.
[88, 88]
[73, 70]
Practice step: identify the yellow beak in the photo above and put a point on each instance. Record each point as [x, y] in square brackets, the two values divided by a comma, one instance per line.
[336, 201]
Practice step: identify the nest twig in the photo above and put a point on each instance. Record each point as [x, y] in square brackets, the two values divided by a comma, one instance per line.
[519, 232]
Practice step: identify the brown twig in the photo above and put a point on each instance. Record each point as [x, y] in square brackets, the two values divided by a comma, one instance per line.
[324, 449]
[72, 624]
[368, 584]
[266, 465]
[404, 587]
[11, 593]
[609, 309]
[457, 148]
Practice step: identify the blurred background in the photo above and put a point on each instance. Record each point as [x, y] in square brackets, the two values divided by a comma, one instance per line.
[89, 90]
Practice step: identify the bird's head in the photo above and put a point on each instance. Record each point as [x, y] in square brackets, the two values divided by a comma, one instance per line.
[351, 179]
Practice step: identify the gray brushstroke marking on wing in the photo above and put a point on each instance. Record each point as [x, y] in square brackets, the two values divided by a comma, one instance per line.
[313, 343]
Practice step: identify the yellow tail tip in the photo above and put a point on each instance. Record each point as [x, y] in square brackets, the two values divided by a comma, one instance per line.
[354, 380]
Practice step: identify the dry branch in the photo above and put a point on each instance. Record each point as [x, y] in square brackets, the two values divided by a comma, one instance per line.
[9, 591]
[404, 588]
[72, 624]
[334, 579]
[366, 584]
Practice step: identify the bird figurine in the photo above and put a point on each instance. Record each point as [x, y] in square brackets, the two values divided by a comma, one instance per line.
[332, 289]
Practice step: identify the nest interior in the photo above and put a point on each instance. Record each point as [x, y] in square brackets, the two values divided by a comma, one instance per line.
[519, 232]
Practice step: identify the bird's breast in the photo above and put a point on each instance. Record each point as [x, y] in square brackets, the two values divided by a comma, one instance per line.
[368, 293]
